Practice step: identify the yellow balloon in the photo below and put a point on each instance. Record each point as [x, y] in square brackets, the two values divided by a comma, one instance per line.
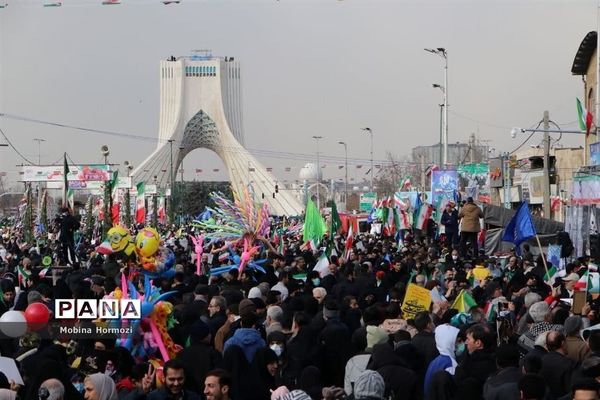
[147, 242]
[118, 237]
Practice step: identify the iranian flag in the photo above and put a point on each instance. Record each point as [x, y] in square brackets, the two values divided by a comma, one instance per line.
[161, 210]
[349, 241]
[424, 213]
[140, 206]
[322, 266]
[71, 199]
[116, 205]
[586, 119]
[582, 283]
[406, 184]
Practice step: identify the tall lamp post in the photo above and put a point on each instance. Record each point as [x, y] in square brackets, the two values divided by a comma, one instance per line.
[371, 133]
[129, 168]
[39, 142]
[443, 89]
[171, 183]
[317, 138]
[181, 149]
[346, 167]
[440, 51]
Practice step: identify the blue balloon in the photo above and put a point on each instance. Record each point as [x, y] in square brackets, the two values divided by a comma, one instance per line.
[147, 308]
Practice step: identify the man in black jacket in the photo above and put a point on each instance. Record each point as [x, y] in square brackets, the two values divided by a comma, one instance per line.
[68, 224]
[478, 364]
[424, 340]
[557, 368]
[450, 222]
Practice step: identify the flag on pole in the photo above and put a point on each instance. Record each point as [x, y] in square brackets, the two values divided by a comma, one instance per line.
[349, 242]
[116, 205]
[322, 266]
[520, 228]
[583, 283]
[406, 184]
[550, 276]
[585, 118]
[336, 221]
[161, 210]
[554, 255]
[140, 205]
[463, 302]
[71, 199]
[65, 180]
[314, 226]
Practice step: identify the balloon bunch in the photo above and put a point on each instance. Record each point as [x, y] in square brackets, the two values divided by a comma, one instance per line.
[16, 323]
[156, 261]
[238, 218]
[155, 313]
[241, 262]
[118, 240]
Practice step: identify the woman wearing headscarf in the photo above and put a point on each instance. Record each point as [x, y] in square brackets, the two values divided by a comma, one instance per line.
[100, 387]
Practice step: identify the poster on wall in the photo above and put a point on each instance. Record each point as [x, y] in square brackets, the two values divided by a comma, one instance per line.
[444, 187]
[595, 153]
[474, 181]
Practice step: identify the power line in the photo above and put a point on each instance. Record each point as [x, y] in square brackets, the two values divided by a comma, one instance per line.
[14, 148]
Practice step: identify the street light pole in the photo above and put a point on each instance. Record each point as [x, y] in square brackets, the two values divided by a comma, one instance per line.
[171, 185]
[346, 178]
[371, 133]
[39, 142]
[317, 138]
[440, 51]
[547, 210]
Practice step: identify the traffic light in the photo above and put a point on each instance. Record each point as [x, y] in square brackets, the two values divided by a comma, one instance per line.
[273, 195]
[263, 196]
[276, 188]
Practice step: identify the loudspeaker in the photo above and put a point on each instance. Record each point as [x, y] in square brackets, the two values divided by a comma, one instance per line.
[564, 240]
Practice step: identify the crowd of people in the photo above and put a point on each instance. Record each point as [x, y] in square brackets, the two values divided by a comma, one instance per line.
[295, 333]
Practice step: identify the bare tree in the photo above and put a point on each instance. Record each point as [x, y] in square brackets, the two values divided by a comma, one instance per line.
[390, 177]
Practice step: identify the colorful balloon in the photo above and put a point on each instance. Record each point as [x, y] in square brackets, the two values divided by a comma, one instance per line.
[13, 324]
[147, 242]
[37, 316]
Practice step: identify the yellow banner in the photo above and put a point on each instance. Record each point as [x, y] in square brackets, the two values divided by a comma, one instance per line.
[417, 299]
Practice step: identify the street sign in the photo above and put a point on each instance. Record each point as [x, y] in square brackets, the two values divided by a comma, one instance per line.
[367, 200]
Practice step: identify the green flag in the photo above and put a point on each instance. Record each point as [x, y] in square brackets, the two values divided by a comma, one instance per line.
[336, 222]
[314, 226]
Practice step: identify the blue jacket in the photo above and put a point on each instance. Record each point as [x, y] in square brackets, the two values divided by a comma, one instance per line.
[440, 363]
[248, 339]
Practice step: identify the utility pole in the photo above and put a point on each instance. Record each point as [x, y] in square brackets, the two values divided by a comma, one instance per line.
[422, 158]
[472, 148]
[171, 184]
[317, 138]
[547, 211]
[506, 179]
[441, 133]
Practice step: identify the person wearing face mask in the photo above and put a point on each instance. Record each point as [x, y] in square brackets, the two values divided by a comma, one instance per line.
[288, 369]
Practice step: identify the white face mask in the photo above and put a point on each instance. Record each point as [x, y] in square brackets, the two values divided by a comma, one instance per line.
[277, 349]
[455, 258]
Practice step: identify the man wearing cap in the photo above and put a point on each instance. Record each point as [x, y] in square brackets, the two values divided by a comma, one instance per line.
[577, 349]
[450, 222]
[567, 288]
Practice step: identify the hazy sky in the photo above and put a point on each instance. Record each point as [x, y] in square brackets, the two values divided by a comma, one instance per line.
[310, 67]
